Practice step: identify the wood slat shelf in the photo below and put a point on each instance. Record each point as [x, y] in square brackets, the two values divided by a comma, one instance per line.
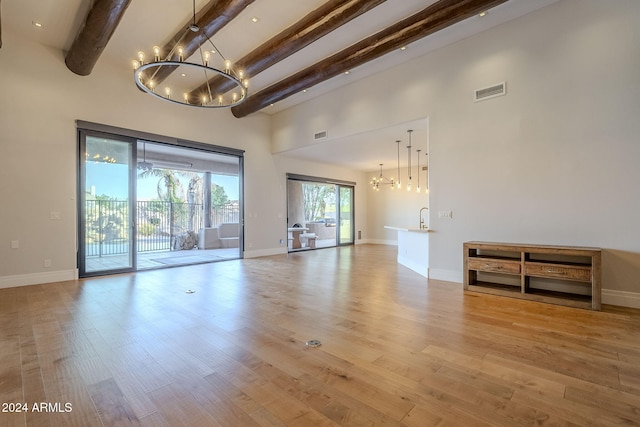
[575, 265]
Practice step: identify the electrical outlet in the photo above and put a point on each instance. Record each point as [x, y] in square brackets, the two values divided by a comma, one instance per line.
[15, 244]
[47, 263]
[54, 215]
[445, 214]
[281, 241]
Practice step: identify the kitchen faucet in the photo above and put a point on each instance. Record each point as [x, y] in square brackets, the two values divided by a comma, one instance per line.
[422, 224]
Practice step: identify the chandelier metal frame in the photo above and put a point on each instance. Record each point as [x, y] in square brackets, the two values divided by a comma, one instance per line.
[211, 99]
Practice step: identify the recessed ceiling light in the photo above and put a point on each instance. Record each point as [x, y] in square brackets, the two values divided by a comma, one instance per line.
[483, 14]
[304, 90]
[403, 48]
[183, 74]
[255, 19]
[37, 24]
[347, 72]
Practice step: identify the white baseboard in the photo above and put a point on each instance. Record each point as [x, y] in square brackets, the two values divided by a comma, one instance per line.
[38, 278]
[621, 298]
[609, 296]
[446, 275]
[264, 252]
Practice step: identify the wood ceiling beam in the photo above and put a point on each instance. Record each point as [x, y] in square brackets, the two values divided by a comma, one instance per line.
[211, 18]
[323, 20]
[438, 16]
[95, 33]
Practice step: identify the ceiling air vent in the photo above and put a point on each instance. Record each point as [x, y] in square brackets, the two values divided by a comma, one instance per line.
[320, 135]
[490, 92]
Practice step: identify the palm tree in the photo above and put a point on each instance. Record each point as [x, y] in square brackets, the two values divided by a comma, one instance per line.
[194, 195]
[168, 190]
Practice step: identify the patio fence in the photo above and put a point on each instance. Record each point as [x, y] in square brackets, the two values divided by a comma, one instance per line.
[108, 228]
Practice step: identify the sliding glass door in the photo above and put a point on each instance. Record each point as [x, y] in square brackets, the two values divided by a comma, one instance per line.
[145, 204]
[107, 240]
[319, 213]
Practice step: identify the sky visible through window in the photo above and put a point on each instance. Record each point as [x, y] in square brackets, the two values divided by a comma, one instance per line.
[112, 180]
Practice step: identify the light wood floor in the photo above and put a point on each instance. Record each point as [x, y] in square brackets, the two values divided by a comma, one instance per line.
[396, 350]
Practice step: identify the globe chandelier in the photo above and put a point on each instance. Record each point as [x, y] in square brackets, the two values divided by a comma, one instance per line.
[205, 79]
[377, 181]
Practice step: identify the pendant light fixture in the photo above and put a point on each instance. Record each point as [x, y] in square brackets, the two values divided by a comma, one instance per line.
[426, 189]
[191, 83]
[418, 157]
[144, 165]
[409, 161]
[399, 184]
[376, 182]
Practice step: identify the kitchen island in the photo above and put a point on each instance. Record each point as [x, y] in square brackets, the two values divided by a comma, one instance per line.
[413, 248]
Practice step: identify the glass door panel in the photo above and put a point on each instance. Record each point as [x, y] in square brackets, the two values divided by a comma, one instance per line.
[106, 205]
[345, 215]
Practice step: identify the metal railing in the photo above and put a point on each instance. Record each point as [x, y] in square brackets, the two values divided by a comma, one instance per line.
[108, 225]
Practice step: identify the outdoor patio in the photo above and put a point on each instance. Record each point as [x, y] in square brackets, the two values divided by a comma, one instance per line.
[156, 259]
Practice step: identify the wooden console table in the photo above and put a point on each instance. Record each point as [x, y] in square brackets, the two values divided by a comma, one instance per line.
[562, 266]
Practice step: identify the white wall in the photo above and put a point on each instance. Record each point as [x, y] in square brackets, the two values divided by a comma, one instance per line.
[553, 162]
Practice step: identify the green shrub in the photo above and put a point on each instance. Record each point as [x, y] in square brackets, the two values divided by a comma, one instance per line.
[147, 229]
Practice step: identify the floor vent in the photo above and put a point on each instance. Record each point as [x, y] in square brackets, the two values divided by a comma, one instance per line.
[490, 92]
[320, 135]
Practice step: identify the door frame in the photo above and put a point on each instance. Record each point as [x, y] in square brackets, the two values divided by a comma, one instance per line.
[339, 215]
[81, 170]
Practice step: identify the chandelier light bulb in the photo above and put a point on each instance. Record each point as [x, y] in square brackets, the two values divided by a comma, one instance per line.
[227, 66]
[135, 64]
[180, 54]
[141, 57]
[186, 97]
[205, 58]
[156, 53]
[167, 91]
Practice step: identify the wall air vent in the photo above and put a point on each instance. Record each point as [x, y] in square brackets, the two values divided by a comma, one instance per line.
[490, 92]
[320, 135]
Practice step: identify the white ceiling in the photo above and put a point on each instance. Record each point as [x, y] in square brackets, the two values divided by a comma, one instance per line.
[153, 22]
